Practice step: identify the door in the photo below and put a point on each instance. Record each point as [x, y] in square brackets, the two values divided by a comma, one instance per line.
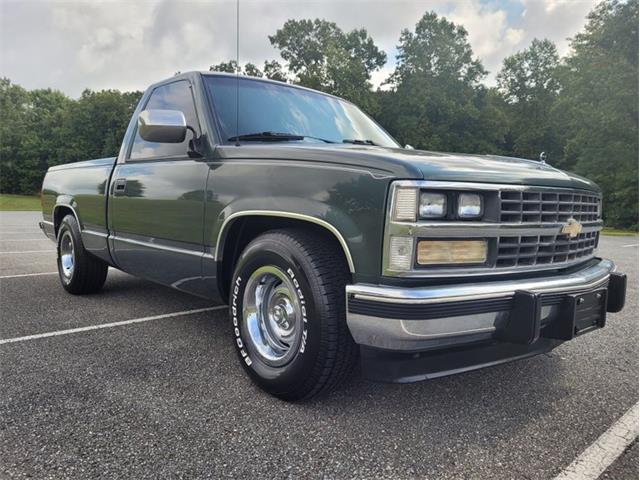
[156, 205]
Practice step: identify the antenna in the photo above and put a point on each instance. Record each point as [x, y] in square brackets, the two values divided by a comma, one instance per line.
[237, 73]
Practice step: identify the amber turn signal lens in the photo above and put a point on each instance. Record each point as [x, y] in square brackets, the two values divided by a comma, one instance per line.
[443, 252]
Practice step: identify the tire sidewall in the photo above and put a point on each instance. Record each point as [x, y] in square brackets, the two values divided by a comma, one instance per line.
[297, 370]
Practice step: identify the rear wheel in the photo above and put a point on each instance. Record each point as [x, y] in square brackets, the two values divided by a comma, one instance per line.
[79, 271]
[287, 306]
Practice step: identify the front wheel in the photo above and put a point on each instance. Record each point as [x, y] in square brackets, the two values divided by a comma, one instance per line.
[287, 305]
[79, 271]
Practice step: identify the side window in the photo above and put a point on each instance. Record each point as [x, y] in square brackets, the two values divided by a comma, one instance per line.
[174, 96]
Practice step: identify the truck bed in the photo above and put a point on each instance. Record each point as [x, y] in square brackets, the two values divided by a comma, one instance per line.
[79, 188]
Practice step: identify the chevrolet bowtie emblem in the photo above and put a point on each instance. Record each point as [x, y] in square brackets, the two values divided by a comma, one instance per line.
[572, 229]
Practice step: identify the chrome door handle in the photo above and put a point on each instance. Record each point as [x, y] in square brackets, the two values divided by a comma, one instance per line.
[119, 186]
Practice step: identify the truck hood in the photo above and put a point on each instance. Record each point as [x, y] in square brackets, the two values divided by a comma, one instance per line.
[417, 164]
[490, 169]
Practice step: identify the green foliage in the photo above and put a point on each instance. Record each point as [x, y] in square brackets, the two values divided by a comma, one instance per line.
[272, 69]
[320, 55]
[529, 85]
[31, 124]
[13, 124]
[253, 71]
[437, 49]
[437, 101]
[228, 67]
[598, 108]
[95, 124]
[42, 128]
[530, 75]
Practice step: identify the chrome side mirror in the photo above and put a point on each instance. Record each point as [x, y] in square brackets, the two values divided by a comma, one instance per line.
[408, 147]
[162, 126]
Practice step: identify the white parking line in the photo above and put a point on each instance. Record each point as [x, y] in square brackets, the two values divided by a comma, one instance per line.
[29, 251]
[23, 239]
[108, 325]
[595, 459]
[28, 275]
[630, 245]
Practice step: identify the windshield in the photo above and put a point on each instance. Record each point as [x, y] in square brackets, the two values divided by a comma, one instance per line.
[270, 107]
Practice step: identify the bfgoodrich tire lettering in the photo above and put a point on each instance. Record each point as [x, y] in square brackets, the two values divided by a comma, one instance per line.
[300, 345]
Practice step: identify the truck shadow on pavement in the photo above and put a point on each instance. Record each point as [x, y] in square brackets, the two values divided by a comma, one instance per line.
[194, 358]
[518, 389]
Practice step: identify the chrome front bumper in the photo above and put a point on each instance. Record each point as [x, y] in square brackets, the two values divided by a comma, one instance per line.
[427, 318]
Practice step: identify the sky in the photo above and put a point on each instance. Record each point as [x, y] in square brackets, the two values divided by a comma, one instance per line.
[127, 45]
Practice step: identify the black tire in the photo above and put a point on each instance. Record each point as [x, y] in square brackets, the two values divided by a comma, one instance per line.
[86, 273]
[325, 352]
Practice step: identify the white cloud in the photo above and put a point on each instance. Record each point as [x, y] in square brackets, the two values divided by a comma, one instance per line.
[489, 32]
[557, 20]
[380, 76]
[128, 45]
[551, 5]
[514, 36]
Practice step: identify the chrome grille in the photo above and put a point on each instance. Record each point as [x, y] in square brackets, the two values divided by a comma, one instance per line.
[531, 206]
[520, 251]
[521, 223]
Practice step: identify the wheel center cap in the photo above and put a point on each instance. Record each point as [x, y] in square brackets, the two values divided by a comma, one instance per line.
[280, 316]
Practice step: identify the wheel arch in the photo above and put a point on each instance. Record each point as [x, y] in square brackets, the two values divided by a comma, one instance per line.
[61, 210]
[240, 228]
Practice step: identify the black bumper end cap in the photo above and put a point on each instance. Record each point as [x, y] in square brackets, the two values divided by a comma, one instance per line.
[617, 292]
[523, 325]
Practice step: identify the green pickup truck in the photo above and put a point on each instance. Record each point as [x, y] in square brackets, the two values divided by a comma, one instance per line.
[331, 243]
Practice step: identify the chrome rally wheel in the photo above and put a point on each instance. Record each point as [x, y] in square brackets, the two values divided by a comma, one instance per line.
[67, 258]
[272, 315]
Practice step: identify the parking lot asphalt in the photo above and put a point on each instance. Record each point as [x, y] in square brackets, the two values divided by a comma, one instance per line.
[167, 398]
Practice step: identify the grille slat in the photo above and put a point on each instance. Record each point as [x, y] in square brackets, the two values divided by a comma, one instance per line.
[515, 251]
[536, 207]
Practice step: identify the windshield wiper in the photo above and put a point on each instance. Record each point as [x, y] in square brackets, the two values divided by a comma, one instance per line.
[274, 137]
[266, 136]
[358, 141]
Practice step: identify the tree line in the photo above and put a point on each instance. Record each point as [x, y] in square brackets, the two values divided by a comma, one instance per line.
[582, 110]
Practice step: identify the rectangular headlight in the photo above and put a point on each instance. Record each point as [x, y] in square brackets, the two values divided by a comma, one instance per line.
[405, 204]
[469, 205]
[433, 205]
[443, 252]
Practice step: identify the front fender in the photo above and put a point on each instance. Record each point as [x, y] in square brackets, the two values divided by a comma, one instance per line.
[349, 203]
